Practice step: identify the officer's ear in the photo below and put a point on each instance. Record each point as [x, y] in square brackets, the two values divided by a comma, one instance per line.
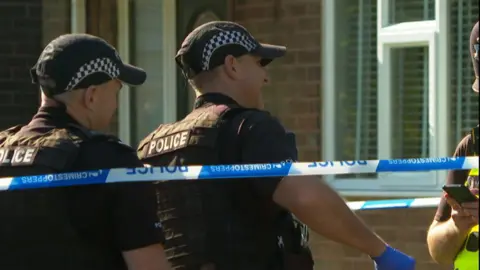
[231, 67]
[90, 96]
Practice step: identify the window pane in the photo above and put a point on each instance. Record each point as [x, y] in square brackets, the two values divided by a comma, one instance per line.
[464, 14]
[356, 80]
[411, 10]
[410, 137]
[147, 51]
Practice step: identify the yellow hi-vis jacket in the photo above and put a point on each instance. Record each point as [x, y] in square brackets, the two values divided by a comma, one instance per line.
[467, 258]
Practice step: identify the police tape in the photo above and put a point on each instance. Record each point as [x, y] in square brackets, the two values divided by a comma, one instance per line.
[394, 203]
[212, 172]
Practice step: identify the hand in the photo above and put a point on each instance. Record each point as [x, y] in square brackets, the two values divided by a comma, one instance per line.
[393, 259]
[472, 210]
[465, 215]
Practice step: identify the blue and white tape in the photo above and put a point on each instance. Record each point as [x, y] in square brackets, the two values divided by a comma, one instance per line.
[213, 172]
[395, 203]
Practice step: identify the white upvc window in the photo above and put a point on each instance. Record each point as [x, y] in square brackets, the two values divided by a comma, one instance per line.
[388, 73]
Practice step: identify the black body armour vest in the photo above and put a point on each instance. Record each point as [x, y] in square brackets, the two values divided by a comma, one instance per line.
[219, 224]
[36, 231]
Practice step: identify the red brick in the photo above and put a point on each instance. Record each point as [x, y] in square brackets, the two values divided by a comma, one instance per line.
[12, 10]
[302, 106]
[295, 9]
[309, 24]
[6, 98]
[266, 27]
[413, 235]
[314, 73]
[330, 265]
[293, 92]
[395, 227]
[239, 3]
[328, 251]
[304, 41]
[6, 48]
[21, 34]
[289, 122]
[314, 8]
[308, 153]
[309, 56]
[254, 13]
[285, 27]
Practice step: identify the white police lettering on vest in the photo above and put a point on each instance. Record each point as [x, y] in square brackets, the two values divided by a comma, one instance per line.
[168, 143]
[18, 156]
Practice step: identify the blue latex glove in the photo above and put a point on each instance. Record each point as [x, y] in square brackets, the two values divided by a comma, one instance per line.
[392, 259]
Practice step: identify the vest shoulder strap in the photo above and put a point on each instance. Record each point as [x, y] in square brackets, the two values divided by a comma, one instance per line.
[143, 143]
[236, 129]
[56, 149]
[85, 134]
[82, 134]
[9, 132]
[199, 128]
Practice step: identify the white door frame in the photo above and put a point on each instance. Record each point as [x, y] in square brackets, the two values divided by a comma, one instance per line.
[78, 17]
[169, 99]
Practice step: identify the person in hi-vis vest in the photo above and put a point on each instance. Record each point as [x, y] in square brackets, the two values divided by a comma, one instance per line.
[467, 258]
[453, 236]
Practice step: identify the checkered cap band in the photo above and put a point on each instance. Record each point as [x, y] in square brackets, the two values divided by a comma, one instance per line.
[225, 38]
[99, 65]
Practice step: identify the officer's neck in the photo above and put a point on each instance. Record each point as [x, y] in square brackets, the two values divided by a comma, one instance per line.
[75, 113]
[230, 92]
[81, 118]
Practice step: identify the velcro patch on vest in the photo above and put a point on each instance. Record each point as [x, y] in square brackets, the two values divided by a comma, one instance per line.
[18, 156]
[472, 242]
[167, 143]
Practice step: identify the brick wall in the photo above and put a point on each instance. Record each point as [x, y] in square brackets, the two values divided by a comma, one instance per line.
[294, 92]
[294, 95]
[402, 228]
[27, 26]
[102, 22]
[56, 19]
[20, 45]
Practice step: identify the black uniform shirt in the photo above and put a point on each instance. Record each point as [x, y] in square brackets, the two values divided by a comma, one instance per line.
[261, 139]
[120, 216]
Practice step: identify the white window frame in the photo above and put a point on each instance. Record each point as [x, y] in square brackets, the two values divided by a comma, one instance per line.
[169, 66]
[432, 34]
[123, 44]
[404, 35]
[169, 99]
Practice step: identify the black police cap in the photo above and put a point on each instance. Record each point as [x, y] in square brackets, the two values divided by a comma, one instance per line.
[207, 46]
[75, 61]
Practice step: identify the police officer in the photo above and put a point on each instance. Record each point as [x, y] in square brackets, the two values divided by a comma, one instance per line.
[240, 224]
[109, 227]
[453, 235]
